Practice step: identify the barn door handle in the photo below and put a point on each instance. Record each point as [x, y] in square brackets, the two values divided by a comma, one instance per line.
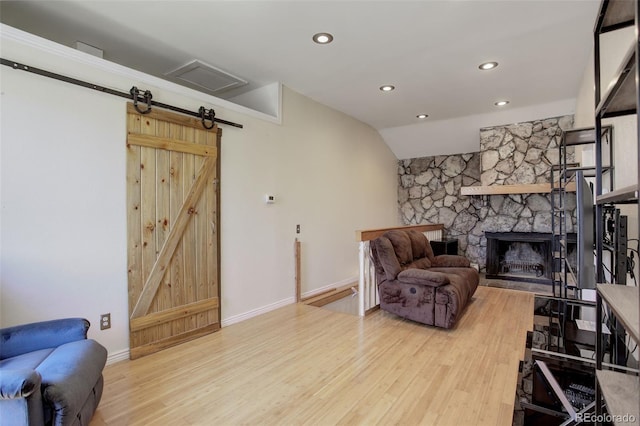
[147, 99]
[213, 226]
[207, 114]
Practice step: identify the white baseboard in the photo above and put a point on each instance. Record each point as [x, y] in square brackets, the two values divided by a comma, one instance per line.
[255, 312]
[317, 291]
[118, 356]
[124, 354]
[284, 302]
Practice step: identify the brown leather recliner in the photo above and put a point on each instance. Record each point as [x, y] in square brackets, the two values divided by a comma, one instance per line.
[415, 284]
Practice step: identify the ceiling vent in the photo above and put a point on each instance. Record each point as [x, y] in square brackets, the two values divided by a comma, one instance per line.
[207, 77]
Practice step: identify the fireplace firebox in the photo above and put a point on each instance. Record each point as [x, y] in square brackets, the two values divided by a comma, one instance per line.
[520, 256]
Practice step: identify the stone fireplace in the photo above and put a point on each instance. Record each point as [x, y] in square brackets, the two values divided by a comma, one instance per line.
[429, 187]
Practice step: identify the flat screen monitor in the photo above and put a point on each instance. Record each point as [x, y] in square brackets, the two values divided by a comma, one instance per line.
[586, 233]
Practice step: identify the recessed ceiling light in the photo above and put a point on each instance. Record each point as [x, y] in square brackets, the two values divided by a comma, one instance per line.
[323, 38]
[501, 103]
[387, 88]
[421, 116]
[488, 65]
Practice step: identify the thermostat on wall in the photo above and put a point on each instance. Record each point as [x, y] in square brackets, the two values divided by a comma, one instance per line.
[269, 199]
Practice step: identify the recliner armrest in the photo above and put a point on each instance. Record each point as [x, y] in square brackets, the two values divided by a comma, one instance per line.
[21, 339]
[68, 375]
[422, 277]
[19, 383]
[20, 397]
[450, 261]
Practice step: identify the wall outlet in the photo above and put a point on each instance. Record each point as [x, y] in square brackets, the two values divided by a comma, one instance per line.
[105, 321]
[297, 229]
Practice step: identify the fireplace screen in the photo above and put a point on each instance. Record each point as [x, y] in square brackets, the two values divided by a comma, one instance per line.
[519, 256]
[522, 258]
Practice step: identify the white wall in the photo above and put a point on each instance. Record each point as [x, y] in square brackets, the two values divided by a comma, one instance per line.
[613, 47]
[63, 223]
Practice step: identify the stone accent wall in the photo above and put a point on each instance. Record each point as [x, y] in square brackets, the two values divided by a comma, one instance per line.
[523, 152]
[429, 187]
[429, 192]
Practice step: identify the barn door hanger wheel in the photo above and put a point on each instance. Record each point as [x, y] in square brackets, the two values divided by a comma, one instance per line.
[207, 114]
[135, 93]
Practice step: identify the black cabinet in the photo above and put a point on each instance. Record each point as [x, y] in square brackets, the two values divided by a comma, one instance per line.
[444, 246]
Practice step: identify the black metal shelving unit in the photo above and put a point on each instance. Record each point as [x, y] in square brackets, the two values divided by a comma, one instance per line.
[617, 389]
[565, 177]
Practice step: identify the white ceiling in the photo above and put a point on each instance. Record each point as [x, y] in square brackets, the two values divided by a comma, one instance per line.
[429, 50]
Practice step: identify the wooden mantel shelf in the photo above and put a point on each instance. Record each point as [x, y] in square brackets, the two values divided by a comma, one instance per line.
[532, 188]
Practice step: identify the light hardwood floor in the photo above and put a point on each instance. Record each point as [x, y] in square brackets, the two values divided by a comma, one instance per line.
[306, 365]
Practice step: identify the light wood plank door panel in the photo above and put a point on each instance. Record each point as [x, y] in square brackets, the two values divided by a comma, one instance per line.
[172, 222]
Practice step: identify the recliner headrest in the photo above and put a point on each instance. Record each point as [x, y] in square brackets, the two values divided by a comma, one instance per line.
[401, 245]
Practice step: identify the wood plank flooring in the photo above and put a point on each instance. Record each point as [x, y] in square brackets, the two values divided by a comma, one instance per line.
[306, 365]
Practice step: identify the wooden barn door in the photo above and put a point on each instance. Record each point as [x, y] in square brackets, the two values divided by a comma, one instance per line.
[172, 221]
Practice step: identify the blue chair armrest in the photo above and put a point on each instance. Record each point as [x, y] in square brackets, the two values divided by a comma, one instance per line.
[25, 338]
[19, 383]
[20, 397]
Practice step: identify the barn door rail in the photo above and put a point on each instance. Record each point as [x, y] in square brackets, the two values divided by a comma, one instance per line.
[138, 96]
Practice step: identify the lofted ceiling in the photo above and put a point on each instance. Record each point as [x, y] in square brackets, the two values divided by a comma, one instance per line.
[429, 50]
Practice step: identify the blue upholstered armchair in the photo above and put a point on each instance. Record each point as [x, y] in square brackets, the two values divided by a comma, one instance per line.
[50, 373]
